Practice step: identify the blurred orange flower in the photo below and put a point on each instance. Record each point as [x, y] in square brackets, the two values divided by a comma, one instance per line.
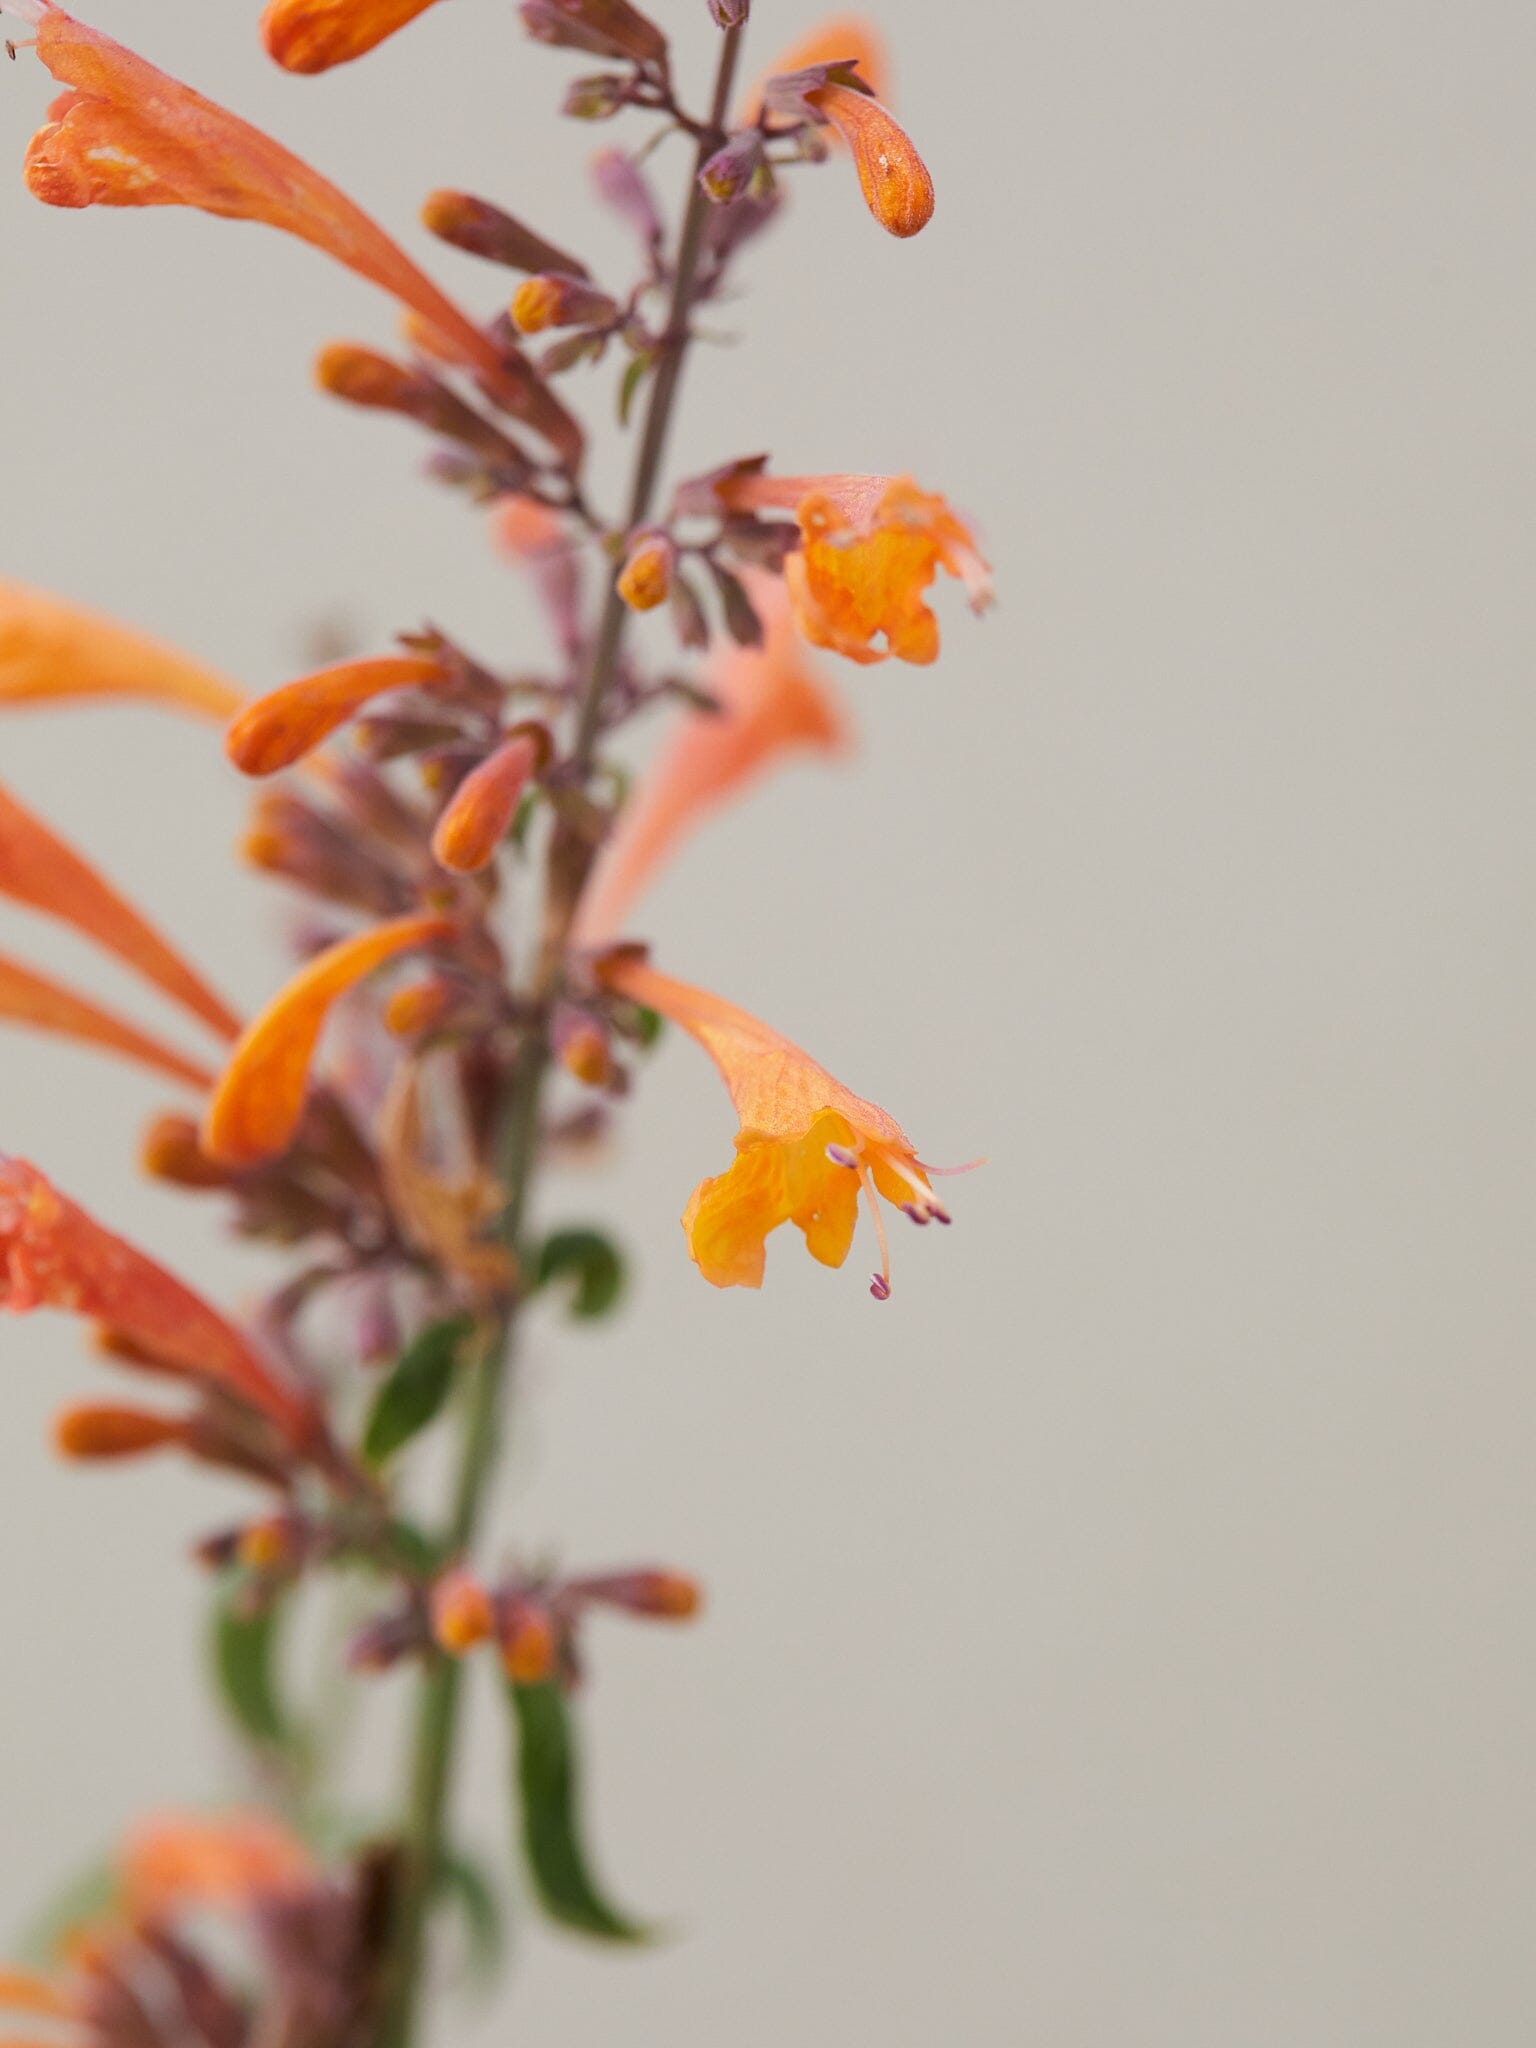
[51, 650]
[806, 1147]
[772, 702]
[281, 727]
[260, 1097]
[53, 1255]
[46, 1005]
[41, 870]
[312, 35]
[870, 548]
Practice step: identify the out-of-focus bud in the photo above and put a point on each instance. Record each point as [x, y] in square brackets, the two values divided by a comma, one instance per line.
[732, 168]
[596, 99]
[361, 376]
[463, 1612]
[582, 1048]
[419, 1006]
[275, 1544]
[122, 1349]
[284, 725]
[95, 1430]
[622, 185]
[729, 13]
[484, 230]
[169, 1151]
[288, 837]
[553, 300]
[892, 176]
[312, 35]
[483, 806]
[645, 580]
[529, 1646]
[611, 28]
[660, 1595]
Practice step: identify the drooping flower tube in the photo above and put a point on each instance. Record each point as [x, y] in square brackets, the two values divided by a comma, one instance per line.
[41, 870]
[52, 651]
[870, 548]
[282, 727]
[806, 1149]
[127, 134]
[314, 35]
[772, 703]
[53, 1255]
[260, 1097]
[42, 1004]
[892, 176]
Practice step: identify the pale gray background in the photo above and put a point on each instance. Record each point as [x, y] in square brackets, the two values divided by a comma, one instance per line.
[1123, 1637]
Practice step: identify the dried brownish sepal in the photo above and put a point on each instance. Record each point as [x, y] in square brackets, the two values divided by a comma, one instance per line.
[607, 28]
[481, 229]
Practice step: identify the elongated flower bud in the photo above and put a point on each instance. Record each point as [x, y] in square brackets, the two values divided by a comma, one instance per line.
[97, 1430]
[645, 580]
[611, 28]
[482, 229]
[551, 300]
[283, 726]
[169, 1151]
[892, 176]
[312, 35]
[659, 1595]
[485, 802]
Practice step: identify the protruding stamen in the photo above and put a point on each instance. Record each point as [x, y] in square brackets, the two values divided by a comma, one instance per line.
[917, 1215]
[880, 1287]
[841, 1156]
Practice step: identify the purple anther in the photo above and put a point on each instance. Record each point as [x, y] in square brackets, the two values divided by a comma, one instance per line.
[841, 1156]
[918, 1215]
[880, 1287]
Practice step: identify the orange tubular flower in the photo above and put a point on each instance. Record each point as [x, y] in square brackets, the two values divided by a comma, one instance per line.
[260, 1097]
[772, 703]
[38, 868]
[283, 726]
[126, 134]
[50, 650]
[53, 1255]
[870, 547]
[892, 176]
[97, 1430]
[31, 999]
[806, 1147]
[312, 35]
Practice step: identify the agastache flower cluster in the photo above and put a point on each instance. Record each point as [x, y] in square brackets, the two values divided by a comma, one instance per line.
[385, 1115]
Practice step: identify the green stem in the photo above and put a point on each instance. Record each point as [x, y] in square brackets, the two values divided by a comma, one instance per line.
[437, 1721]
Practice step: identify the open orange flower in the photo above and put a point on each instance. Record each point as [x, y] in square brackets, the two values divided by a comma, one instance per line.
[50, 650]
[312, 35]
[870, 548]
[126, 134]
[256, 1107]
[806, 1148]
[53, 1255]
[772, 704]
[40, 869]
[45, 1005]
[282, 727]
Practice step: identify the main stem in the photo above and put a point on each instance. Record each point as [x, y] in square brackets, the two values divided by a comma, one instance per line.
[437, 1721]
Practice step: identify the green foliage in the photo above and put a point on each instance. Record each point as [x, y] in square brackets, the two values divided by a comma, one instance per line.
[245, 1645]
[593, 1261]
[416, 1389]
[463, 1883]
[549, 1805]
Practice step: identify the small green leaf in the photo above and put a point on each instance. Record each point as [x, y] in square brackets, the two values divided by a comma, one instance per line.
[633, 378]
[245, 1646]
[416, 1389]
[551, 1826]
[592, 1261]
[649, 1025]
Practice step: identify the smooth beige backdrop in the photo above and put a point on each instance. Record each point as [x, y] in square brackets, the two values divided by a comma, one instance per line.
[1123, 1637]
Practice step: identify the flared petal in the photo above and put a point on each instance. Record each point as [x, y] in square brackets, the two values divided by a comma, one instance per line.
[51, 651]
[33, 1000]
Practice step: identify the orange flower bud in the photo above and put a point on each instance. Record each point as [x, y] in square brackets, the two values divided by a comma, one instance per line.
[169, 1151]
[312, 35]
[645, 580]
[584, 1053]
[95, 1430]
[553, 300]
[892, 176]
[481, 229]
[257, 1105]
[463, 1613]
[528, 1643]
[274, 1544]
[363, 377]
[659, 1595]
[418, 1006]
[283, 726]
[483, 806]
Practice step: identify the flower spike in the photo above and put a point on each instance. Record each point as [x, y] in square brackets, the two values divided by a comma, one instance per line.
[807, 1146]
[53, 1255]
[51, 651]
[126, 134]
[772, 703]
[260, 1097]
[313, 35]
[39, 869]
[870, 547]
[44, 1005]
